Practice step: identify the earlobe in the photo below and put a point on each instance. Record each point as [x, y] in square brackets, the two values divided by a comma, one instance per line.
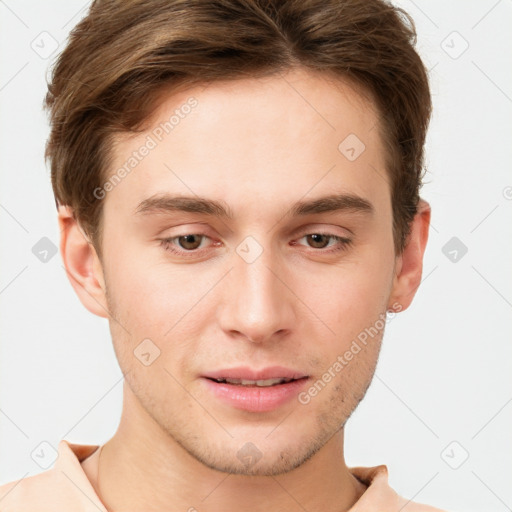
[82, 264]
[409, 265]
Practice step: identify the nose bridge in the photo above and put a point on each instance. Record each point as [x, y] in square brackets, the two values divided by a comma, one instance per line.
[257, 304]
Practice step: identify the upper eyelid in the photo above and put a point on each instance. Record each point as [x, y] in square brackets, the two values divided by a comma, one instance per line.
[302, 231]
[300, 234]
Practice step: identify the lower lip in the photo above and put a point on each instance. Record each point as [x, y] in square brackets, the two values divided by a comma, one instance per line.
[254, 398]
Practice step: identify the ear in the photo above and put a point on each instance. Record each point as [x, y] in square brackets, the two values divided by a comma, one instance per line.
[409, 264]
[82, 264]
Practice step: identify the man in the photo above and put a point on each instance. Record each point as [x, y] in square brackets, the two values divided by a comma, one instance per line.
[237, 185]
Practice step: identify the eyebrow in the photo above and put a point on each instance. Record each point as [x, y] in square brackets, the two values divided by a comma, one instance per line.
[164, 203]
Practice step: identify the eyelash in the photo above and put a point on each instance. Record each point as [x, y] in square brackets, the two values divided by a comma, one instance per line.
[344, 243]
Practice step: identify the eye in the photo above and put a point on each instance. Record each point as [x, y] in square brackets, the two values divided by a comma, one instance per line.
[323, 240]
[181, 244]
[192, 244]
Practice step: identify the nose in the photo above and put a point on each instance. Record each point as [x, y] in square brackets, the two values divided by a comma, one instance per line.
[257, 305]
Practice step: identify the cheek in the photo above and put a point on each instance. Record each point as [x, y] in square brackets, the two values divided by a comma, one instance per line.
[351, 304]
[140, 287]
[157, 302]
[351, 294]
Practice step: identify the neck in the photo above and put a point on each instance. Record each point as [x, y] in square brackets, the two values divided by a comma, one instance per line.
[142, 468]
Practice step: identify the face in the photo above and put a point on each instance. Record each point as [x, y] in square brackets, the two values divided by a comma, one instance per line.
[217, 302]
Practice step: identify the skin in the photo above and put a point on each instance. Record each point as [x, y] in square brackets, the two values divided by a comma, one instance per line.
[258, 146]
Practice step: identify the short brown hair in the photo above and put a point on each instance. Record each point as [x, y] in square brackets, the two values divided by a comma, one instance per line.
[123, 53]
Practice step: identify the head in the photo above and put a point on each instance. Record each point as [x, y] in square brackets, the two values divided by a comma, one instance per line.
[238, 186]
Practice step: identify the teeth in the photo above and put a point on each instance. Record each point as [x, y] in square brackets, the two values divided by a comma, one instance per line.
[259, 383]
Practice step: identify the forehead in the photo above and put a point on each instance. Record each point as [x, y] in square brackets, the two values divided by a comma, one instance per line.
[273, 138]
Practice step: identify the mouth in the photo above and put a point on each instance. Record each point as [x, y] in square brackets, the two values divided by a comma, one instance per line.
[255, 391]
[263, 383]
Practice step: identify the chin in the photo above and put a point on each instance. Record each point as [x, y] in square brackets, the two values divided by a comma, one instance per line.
[271, 459]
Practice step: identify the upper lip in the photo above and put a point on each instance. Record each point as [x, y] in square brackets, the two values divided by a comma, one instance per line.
[246, 373]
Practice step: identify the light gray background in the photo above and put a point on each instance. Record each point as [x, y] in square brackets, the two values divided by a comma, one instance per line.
[444, 371]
